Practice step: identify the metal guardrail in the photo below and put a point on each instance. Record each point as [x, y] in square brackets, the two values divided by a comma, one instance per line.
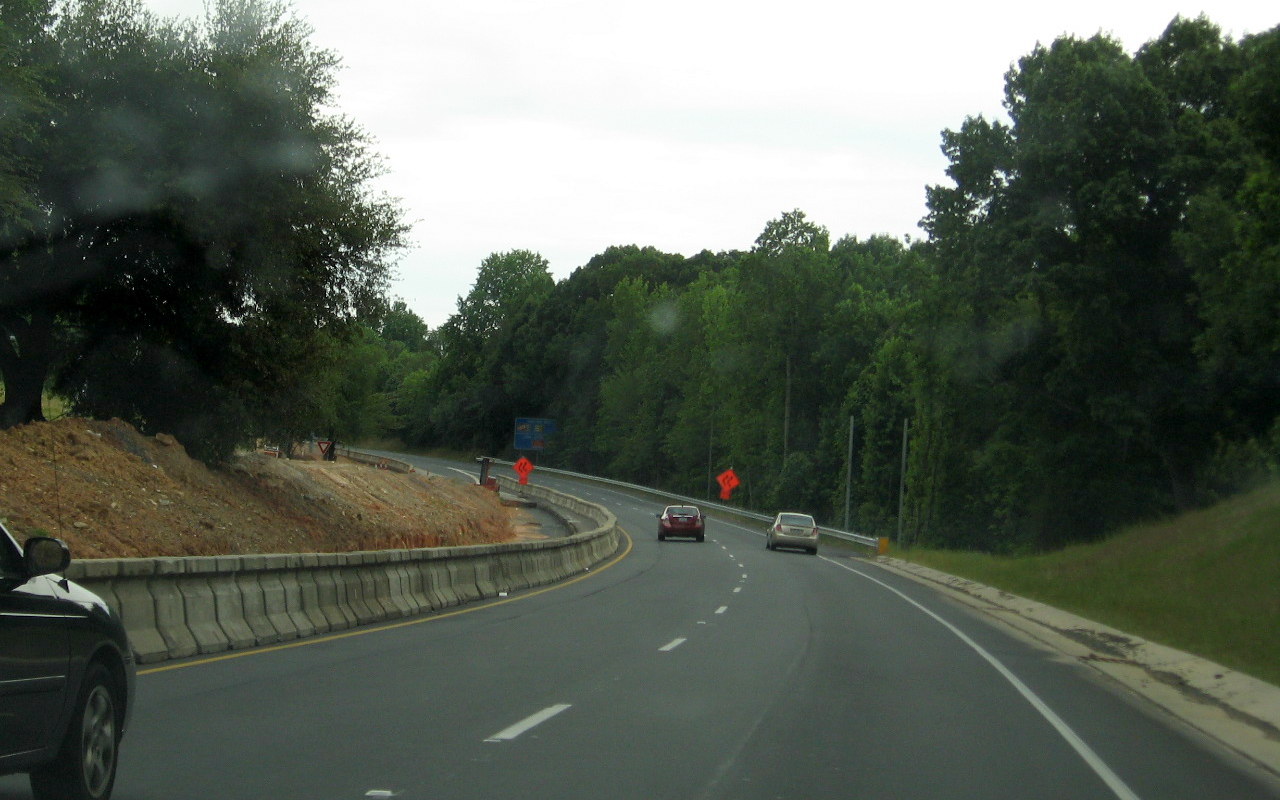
[381, 462]
[848, 536]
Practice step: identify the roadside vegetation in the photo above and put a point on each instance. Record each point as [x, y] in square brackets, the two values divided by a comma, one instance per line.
[1203, 581]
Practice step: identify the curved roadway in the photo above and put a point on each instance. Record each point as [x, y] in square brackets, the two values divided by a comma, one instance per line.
[676, 670]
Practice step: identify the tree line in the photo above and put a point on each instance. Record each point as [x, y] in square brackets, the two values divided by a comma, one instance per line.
[1087, 334]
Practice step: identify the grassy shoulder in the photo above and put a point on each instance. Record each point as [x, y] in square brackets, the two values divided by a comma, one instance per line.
[1207, 582]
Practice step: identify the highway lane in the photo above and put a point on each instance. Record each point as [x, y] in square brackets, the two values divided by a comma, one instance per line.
[681, 670]
[890, 702]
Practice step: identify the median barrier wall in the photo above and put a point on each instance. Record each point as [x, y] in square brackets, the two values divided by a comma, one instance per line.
[180, 607]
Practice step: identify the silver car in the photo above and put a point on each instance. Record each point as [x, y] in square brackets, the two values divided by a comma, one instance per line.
[790, 529]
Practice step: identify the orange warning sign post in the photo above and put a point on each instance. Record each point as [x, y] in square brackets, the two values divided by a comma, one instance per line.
[523, 467]
[728, 481]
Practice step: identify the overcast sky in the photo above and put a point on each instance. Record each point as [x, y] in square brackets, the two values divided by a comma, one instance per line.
[567, 126]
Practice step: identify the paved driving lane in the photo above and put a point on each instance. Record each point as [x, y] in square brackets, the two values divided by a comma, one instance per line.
[679, 670]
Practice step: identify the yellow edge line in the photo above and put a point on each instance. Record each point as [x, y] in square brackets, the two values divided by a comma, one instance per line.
[379, 628]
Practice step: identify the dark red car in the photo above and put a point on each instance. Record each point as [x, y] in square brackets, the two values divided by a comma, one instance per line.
[681, 521]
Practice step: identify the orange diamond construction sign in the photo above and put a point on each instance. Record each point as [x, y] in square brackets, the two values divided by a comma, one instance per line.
[523, 467]
[728, 481]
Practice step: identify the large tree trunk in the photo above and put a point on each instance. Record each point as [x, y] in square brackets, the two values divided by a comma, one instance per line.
[26, 344]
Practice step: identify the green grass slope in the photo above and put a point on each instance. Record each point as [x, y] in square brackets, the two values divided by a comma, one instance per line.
[1207, 582]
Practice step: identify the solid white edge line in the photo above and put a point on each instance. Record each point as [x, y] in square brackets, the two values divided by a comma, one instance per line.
[465, 474]
[1095, 762]
[672, 645]
[507, 734]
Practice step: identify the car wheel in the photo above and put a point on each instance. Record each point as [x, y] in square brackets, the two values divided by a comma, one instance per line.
[85, 767]
[813, 551]
[768, 545]
[661, 537]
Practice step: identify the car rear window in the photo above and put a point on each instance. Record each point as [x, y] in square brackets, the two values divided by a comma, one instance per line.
[684, 511]
[797, 520]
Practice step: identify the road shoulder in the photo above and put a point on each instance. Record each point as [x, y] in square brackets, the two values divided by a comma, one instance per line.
[1237, 710]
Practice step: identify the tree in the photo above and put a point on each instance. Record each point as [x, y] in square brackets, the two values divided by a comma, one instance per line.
[707, 360]
[1062, 322]
[24, 331]
[23, 24]
[466, 401]
[200, 219]
[640, 382]
[505, 281]
[788, 275]
[1232, 241]
[792, 231]
[401, 325]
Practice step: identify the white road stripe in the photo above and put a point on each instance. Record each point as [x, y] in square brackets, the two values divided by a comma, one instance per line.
[737, 589]
[672, 645]
[722, 609]
[507, 734]
[1095, 762]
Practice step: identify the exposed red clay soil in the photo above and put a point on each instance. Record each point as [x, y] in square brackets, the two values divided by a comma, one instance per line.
[110, 492]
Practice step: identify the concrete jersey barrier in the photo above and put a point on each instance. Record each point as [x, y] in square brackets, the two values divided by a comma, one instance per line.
[180, 607]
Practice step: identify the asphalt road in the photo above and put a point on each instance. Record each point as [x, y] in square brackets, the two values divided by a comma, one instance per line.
[676, 670]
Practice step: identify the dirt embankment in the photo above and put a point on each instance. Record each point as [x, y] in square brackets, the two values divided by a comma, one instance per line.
[110, 492]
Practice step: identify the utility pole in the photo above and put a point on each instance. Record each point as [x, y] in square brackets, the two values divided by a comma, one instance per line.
[902, 479]
[786, 415]
[848, 476]
[710, 436]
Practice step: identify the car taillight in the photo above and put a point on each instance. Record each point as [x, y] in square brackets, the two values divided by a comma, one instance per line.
[778, 527]
[815, 531]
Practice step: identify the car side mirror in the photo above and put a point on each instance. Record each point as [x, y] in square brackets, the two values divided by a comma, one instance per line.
[42, 555]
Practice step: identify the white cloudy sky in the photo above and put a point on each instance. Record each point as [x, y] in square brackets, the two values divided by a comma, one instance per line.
[567, 126]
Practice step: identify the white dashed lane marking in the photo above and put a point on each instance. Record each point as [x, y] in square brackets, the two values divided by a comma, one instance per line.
[507, 734]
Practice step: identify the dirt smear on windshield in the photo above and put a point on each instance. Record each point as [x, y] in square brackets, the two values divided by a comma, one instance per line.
[111, 492]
